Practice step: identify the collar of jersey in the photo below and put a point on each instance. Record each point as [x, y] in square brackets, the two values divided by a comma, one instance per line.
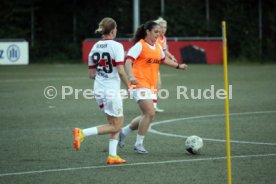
[107, 39]
[150, 46]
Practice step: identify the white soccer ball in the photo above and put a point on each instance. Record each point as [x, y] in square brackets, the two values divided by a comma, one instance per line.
[193, 144]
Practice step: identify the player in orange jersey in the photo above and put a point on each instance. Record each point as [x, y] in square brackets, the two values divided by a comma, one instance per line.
[142, 67]
[162, 40]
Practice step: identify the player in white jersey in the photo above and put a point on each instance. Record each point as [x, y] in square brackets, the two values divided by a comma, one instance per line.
[105, 56]
[106, 66]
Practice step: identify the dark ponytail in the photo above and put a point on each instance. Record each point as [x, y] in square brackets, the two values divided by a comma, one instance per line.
[141, 30]
[139, 34]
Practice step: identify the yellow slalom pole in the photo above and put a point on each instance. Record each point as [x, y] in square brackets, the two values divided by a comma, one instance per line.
[227, 123]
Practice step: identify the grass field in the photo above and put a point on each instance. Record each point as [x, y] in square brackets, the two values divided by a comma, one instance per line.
[36, 141]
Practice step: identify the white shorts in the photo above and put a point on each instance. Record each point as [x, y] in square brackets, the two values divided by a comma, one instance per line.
[141, 94]
[109, 101]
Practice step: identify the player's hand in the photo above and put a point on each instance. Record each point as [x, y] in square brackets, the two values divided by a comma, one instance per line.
[183, 67]
[92, 74]
[133, 80]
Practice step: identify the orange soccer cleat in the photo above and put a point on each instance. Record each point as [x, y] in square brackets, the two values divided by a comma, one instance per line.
[78, 138]
[115, 160]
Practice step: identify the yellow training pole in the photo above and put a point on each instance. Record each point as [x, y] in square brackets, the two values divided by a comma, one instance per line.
[227, 126]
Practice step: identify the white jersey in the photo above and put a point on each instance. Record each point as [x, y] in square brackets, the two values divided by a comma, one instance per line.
[135, 51]
[104, 56]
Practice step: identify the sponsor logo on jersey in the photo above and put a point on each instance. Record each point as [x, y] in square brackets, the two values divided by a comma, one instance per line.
[154, 61]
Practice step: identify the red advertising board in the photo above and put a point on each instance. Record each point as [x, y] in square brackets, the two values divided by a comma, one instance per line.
[197, 50]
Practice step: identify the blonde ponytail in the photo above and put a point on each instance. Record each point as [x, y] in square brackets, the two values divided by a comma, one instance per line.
[106, 26]
[160, 20]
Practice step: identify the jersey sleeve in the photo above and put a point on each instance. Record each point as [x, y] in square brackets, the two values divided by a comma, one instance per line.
[119, 54]
[135, 51]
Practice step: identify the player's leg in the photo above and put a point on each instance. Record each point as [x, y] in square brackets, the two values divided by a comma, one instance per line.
[80, 134]
[137, 94]
[133, 125]
[113, 107]
[128, 129]
[155, 100]
[115, 126]
[148, 111]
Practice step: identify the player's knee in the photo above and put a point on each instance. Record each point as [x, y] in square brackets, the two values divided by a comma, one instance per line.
[150, 114]
[116, 128]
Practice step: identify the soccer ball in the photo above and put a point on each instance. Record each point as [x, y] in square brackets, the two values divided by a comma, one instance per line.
[193, 144]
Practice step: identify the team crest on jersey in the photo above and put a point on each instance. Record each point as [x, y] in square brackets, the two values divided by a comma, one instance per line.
[119, 111]
[143, 93]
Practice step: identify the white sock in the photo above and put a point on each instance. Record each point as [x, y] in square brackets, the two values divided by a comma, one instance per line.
[126, 130]
[154, 104]
[113, 147]
[139, 139]
[90, 131]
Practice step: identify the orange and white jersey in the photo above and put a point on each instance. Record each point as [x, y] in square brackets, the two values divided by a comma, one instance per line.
[104, 56]
[163, 42]
[146, 59]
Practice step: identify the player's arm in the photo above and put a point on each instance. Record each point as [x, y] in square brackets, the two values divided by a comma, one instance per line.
[92, 73]
[133, 53]
[168, 61]
[92, 66]
[119, 58]
[92, 70]
[171, 63]
[169, 55]
[129, 72]
[123, 76]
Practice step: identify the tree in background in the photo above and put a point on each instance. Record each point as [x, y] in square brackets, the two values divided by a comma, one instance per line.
[56, 29]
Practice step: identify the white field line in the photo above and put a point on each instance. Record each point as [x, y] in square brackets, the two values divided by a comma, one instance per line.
[160, 162]
[209, 116]
[132, 164]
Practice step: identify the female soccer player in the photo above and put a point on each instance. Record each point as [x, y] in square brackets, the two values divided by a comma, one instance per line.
[142, 66]
[162, 40]
[106, 65]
